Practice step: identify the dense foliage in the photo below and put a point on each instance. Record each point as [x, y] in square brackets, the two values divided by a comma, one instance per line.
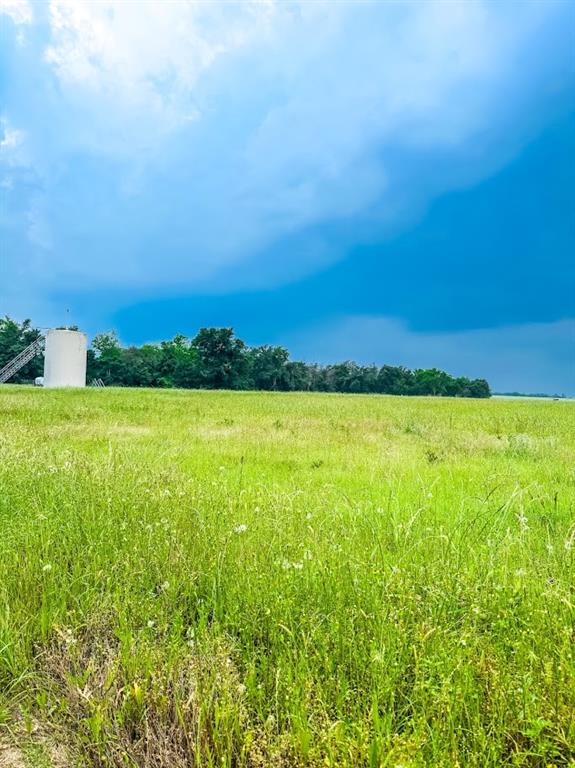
[217, 359]
[14, 337]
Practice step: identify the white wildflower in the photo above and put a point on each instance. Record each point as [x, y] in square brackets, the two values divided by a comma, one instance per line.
[522, 520]
[46, 568]
[241, 528]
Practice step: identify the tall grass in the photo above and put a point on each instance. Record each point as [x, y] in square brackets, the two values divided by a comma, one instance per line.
[244, 579]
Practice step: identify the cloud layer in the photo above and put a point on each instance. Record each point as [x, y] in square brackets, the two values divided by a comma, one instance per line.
[153, 145]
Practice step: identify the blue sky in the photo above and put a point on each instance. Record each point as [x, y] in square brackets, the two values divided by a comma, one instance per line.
[379, 181]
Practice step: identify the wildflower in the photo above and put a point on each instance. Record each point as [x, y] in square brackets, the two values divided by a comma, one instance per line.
[151, 623]
[46, 568]
[522, 520]
[241, 528]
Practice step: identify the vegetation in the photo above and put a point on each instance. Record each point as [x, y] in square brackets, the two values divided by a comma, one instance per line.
[217, 359]
[15, 337]
[263, 579]
[531, 394]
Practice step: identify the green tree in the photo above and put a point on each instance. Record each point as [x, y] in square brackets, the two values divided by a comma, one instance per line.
[431, 381]
[180, 364]
[222, 357]
[267, 366]
[107, 363]
[217, 359]
[479, 388]
[298, 376]
[14, 338]
[394, 380]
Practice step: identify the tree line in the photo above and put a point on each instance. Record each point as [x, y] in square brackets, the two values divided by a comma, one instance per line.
[217, 359]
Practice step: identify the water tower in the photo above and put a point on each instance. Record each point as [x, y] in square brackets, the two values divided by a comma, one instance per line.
[65, 358]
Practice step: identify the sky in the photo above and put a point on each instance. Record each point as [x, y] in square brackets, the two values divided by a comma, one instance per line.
[380, 180]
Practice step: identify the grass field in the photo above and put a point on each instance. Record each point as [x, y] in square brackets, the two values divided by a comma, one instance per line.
[247, 579]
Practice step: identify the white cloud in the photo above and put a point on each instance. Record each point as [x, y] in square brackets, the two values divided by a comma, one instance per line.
[409, 71]
[147, 54]
[534, 357]
[18, 10]
[342, 77]
[12, 145]
[175, 141]
[11, 137]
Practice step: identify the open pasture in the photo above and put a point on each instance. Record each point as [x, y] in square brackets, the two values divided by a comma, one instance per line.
[248, 579]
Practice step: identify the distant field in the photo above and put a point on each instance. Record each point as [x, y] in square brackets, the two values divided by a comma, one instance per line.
[246, 579]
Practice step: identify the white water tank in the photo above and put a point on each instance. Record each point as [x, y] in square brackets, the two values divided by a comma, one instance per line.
[65, 359]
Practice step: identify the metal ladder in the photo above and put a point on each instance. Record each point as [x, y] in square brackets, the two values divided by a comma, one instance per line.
[21, 359]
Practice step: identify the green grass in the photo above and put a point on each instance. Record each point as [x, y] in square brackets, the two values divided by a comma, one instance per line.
[247, 579]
